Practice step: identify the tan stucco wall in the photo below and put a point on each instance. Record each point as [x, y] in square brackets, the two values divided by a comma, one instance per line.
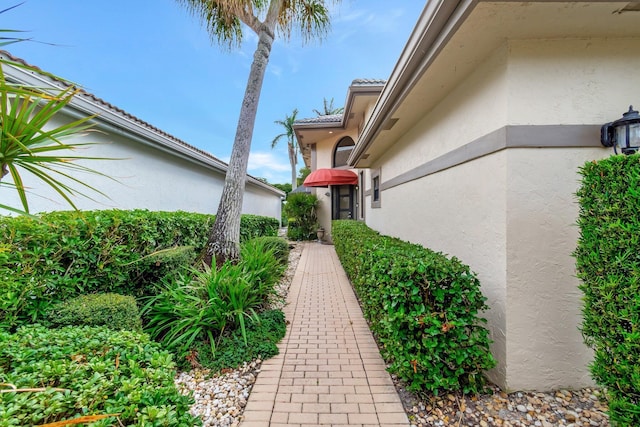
[544, 349]
[572, 81]
[475, 108]
[511, 215]
[324, 155]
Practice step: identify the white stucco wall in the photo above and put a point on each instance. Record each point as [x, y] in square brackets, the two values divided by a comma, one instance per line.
[147, 178]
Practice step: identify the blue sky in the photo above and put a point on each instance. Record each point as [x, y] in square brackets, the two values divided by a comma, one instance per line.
[154, 60]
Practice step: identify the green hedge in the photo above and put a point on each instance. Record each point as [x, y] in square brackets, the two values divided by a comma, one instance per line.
[422, 307]
[114, 311]
[71, 253]
[608, 263]
[80, 371]
[302, 221]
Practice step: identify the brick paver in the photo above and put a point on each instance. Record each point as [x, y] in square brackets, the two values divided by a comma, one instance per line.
[329, 371]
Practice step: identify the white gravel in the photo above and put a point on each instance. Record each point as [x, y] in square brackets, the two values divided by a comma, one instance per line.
[220, 398]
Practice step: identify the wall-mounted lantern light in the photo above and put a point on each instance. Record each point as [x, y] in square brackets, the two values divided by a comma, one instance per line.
[624, 133]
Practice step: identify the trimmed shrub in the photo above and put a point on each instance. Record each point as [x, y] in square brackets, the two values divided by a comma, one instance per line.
[301, 213]
[79, 371]
[74, 253]
[111, 310]
[608, 263]
[422, 307]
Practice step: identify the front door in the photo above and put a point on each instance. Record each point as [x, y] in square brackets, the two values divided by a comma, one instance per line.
[343, 202]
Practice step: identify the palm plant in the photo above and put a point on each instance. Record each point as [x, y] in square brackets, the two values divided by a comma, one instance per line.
[7, 39]
[28, 143]
[267, 18]
[292, 143]
[328, 108]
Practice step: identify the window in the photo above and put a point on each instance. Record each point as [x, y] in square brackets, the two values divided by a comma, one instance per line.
[375, 189]
[342, 152]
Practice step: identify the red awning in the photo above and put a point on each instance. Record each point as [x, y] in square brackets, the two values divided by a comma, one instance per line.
[326, 177]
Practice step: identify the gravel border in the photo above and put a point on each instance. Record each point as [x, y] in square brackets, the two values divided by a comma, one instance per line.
[220, 399]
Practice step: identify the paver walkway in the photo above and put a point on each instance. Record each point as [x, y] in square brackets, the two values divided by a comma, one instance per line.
[329, 370]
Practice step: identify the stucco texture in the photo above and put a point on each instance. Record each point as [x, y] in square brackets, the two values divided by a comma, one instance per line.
[143, 176]
[510, 214]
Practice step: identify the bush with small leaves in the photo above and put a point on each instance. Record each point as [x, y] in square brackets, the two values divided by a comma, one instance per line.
[67, 373]
[111, 310]
[422, 306]
[302, 218]
[67, 254]
[608, 263]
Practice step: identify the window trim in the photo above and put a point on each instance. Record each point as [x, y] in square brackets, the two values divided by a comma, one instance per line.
[376, 189]
[347, 142]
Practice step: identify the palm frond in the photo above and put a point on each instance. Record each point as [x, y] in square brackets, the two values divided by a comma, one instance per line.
[28, 143]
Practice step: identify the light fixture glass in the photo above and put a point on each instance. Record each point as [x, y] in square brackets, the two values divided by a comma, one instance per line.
[622, 134]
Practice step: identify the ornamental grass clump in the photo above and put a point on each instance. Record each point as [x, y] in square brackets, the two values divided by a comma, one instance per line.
[608, 264]
[207, 306]
[423, 309]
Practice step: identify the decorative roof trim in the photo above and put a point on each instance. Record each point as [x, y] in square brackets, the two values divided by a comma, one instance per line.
[438, 21]
[358, 86]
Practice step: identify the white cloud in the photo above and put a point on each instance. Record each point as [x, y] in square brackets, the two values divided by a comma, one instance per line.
[266, 164]
[259, 161]
[275, 69]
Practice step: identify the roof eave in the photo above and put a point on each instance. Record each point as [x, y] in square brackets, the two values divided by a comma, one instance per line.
[85, 104]
[438, 21]
[355, 89]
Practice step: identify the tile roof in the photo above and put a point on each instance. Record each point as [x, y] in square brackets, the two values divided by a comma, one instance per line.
[331, 118]
[368, 82]
[113, 108]
[337, 118]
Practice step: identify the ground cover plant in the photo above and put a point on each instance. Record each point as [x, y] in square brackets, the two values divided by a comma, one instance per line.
[608, 264]
[262, 333]
[66, 373]
[67, 254]
[422, 306]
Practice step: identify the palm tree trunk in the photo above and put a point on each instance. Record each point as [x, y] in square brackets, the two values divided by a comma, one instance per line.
[294, 162]
[223, 243]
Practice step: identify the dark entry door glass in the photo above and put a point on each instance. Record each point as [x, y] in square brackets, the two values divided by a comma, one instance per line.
[343, 202]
